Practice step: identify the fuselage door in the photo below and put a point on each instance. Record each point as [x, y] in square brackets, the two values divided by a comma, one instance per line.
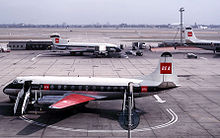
[102, 48]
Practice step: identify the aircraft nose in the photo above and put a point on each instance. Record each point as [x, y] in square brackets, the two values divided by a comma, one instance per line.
[118, 50]
[5, 90]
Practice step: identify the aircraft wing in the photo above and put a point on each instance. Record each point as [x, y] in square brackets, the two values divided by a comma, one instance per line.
[71, 100]
[81, 50]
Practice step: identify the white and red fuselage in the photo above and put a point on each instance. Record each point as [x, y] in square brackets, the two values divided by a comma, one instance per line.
[191, 40]
[100, 88]
[49, 90]
[83, 47]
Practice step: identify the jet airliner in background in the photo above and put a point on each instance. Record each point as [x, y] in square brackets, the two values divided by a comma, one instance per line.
[98, 49]
[191, 39]
[62, 92]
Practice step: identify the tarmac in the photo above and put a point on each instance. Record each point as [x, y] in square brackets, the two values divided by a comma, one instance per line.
[192, 110]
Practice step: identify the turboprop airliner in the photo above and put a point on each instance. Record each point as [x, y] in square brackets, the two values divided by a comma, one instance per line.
[98, 49]
[62, 92]
[191, 39]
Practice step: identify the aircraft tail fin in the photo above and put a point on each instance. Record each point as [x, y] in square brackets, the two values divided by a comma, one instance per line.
[189, 35]
[164, 74]
[56, 39]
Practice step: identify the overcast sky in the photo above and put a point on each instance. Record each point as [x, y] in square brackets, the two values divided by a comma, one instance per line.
[109, 11]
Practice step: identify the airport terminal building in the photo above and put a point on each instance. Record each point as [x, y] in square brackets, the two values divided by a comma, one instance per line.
[30, 44]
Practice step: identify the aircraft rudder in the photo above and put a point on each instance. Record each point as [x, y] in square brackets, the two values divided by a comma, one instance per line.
[55, 37]
[165, 71]
[189, 35]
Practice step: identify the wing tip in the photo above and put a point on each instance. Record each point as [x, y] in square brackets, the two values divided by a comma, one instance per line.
[54, 107]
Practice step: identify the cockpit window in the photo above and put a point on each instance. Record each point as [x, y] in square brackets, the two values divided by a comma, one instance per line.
[15, 81]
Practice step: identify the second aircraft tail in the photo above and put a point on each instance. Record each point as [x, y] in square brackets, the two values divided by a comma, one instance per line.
[57, 40]
[189, 35]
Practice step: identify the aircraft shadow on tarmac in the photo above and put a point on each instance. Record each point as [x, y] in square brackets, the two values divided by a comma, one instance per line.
[53, 117]
[62, 55]
[6, 108]
[216, 56]
[78, 55]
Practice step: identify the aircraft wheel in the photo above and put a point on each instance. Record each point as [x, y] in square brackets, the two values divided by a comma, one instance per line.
[72, 53]
[12, 100]
[139, 53]
[106, 54]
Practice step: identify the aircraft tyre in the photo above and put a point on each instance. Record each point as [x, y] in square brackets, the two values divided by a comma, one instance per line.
[12, 100]
[139, 53]
[72, 53]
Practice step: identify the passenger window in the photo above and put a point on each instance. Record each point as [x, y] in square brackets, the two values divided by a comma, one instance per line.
[64, 87]
[72, 87]
[51, 87]
[87, 88]
[80, 88]
[102, 88]
[59, 87]
[122, 88]
[115, 88]
[108, 88]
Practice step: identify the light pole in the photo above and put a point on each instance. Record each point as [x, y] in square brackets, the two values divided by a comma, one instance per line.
[181, 25]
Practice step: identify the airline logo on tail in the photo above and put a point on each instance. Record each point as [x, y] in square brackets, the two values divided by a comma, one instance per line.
[57, 40]
[189, 34]
[165, 68]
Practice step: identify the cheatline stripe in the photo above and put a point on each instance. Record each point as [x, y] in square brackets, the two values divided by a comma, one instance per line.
[173, 120]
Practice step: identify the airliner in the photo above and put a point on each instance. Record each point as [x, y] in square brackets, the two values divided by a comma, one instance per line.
[55, 92]
[191, 39]
[98, 49]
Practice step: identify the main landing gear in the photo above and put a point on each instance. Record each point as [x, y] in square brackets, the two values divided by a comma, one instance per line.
[129, 119]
